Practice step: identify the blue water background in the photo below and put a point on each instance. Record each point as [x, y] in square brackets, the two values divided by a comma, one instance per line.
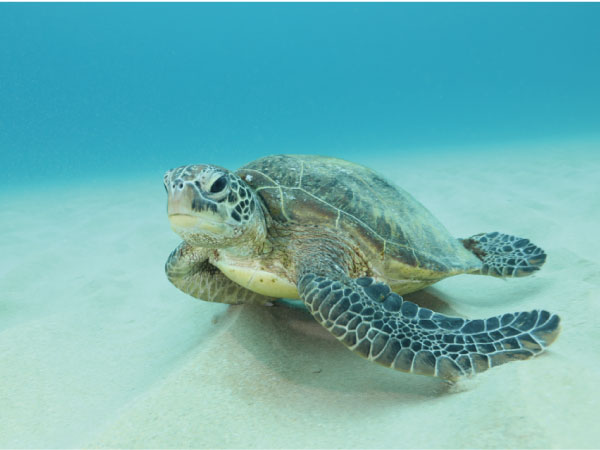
[120, 90]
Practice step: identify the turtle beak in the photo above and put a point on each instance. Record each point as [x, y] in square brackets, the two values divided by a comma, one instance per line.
[188, 211]
[180, 200]
[195, 223]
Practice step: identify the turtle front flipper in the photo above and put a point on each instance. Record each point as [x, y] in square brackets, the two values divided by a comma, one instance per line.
[189, 269]
[504, 255]
[380, 326]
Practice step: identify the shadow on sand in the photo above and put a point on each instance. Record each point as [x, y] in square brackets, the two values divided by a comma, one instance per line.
[291, 343]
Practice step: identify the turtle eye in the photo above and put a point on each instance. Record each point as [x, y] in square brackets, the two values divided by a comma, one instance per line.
[219, 184]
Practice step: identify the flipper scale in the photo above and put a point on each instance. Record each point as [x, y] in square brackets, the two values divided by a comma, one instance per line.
[504, 255]
[414, 339]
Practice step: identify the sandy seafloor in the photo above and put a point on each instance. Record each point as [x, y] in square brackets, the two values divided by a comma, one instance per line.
[97, 349]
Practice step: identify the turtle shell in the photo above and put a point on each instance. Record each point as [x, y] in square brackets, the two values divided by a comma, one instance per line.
[396, 232]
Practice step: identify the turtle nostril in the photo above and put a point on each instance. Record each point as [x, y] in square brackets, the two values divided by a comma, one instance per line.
[180, 185]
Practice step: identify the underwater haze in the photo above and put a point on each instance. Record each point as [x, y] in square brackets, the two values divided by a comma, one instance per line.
[488, 114]
[106, 89]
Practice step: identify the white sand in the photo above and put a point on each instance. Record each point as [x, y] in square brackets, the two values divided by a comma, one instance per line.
[97, 349]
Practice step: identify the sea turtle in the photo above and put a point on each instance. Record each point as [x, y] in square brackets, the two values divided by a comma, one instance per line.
[346, 242]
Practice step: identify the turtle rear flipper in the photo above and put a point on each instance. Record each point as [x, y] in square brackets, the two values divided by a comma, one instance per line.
[504, 255]
[380, 326]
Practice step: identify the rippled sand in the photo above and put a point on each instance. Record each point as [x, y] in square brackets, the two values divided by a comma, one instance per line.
[97, 349]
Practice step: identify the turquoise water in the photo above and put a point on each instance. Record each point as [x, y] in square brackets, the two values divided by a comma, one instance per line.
[129, 89]
[487, 113]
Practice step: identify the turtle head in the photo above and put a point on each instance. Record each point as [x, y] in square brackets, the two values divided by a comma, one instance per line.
[211, 207]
